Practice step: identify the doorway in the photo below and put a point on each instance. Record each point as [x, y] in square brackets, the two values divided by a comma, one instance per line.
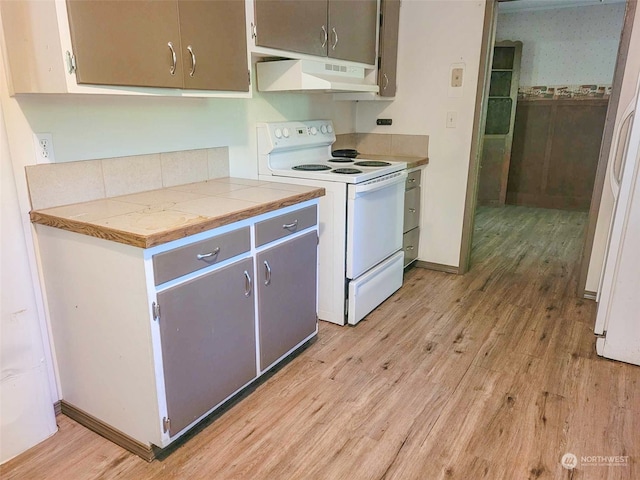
[565, 88]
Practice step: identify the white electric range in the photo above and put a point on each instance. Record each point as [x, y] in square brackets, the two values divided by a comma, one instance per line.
[360, 218]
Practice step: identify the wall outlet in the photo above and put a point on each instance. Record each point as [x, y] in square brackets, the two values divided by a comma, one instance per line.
[43, 143]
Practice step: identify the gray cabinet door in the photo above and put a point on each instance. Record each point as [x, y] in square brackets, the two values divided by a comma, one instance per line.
[207, 332]
[293, 25]
[287, 286]
[214, 45]
[125, 43]
[352, 30]
[388, 54]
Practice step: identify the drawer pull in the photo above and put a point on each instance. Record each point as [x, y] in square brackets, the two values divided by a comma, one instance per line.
[412, 180]
[247, 284]
[267, 273]
[410, 247]
[412, 210]
[291, 225]
[204, 256]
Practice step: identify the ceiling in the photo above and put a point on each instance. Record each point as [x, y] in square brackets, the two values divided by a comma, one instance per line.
[524, 5]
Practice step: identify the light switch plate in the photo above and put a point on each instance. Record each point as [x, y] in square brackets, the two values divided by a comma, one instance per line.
[456, 80]
[456, 77]
[452, 119]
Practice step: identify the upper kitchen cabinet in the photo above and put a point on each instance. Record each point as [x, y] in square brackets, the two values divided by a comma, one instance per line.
[161, 47]
[387, 62]
[339, 29]
[126, 43]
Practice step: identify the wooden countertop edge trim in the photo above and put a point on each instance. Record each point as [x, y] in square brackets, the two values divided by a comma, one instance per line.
[155, 239]
[418, 163]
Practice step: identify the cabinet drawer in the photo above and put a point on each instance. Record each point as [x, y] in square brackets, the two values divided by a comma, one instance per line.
[184, 260]
[413, 179]
[410, 245]
[284, 225]
[411, 209]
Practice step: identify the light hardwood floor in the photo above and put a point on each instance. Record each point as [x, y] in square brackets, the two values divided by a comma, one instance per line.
[488, 375]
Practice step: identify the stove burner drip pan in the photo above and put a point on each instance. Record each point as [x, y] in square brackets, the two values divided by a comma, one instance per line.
[311, 167]
[346, 171]
[372, 163]
[341, 160]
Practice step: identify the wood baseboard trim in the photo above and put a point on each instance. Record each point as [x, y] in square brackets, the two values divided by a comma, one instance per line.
[57, 408]
[116, 436]
[590, 295]
[438, 267]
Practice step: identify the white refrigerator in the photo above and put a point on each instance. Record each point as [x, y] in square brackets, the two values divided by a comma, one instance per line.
[618, 318]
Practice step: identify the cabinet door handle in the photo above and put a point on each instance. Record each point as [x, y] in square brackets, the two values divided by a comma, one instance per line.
[247, 284]
[412, 180]
[412, 210]
[267, 273]
[410, 247]
[174, 59]
[386, 81]
[204, 256]
[325, 36]
[335, 35]
[193, 61]
[292, 225]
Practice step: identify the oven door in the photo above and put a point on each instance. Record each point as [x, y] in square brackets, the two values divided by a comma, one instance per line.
[375, 212]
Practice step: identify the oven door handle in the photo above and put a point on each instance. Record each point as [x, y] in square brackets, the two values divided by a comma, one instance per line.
[378, 183]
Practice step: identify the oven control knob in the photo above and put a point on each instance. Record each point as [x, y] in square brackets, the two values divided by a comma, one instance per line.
[329, 128]
[278, 133]
[323, 129]
[314, 130]
[285, 132]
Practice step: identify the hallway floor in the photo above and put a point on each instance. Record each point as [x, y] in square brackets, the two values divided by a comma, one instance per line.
[488, 375]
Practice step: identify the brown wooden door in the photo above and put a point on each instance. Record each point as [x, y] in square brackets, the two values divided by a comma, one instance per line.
[213, 34]
[388, 47]
[293, 25]
[352, 30]
[287, 289]
[207, 329]
[126, 42]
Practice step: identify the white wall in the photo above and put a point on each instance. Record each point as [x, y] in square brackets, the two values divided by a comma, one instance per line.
[433, 35]
[565, 46]
[26, 404]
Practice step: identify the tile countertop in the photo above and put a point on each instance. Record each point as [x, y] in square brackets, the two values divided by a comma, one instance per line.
[412, 162]
[155, 217]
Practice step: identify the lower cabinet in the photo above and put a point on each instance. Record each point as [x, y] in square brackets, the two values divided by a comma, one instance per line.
[411, 230]
[152, 340]
[286, 296]
[208, 341]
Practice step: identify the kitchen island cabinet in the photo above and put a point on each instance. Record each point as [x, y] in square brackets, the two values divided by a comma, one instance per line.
[149, 340]
[338, 29]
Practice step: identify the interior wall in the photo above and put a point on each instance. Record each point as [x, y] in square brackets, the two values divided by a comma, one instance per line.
[26, 407]
[565, 46]
[434, 35]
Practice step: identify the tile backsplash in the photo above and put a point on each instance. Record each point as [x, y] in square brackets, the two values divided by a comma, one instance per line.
[55, 184]
[385, 144]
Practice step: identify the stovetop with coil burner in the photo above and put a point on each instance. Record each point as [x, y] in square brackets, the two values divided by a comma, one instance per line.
[303, 150]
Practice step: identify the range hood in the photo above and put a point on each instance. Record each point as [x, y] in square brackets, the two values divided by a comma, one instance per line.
[311, 76]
